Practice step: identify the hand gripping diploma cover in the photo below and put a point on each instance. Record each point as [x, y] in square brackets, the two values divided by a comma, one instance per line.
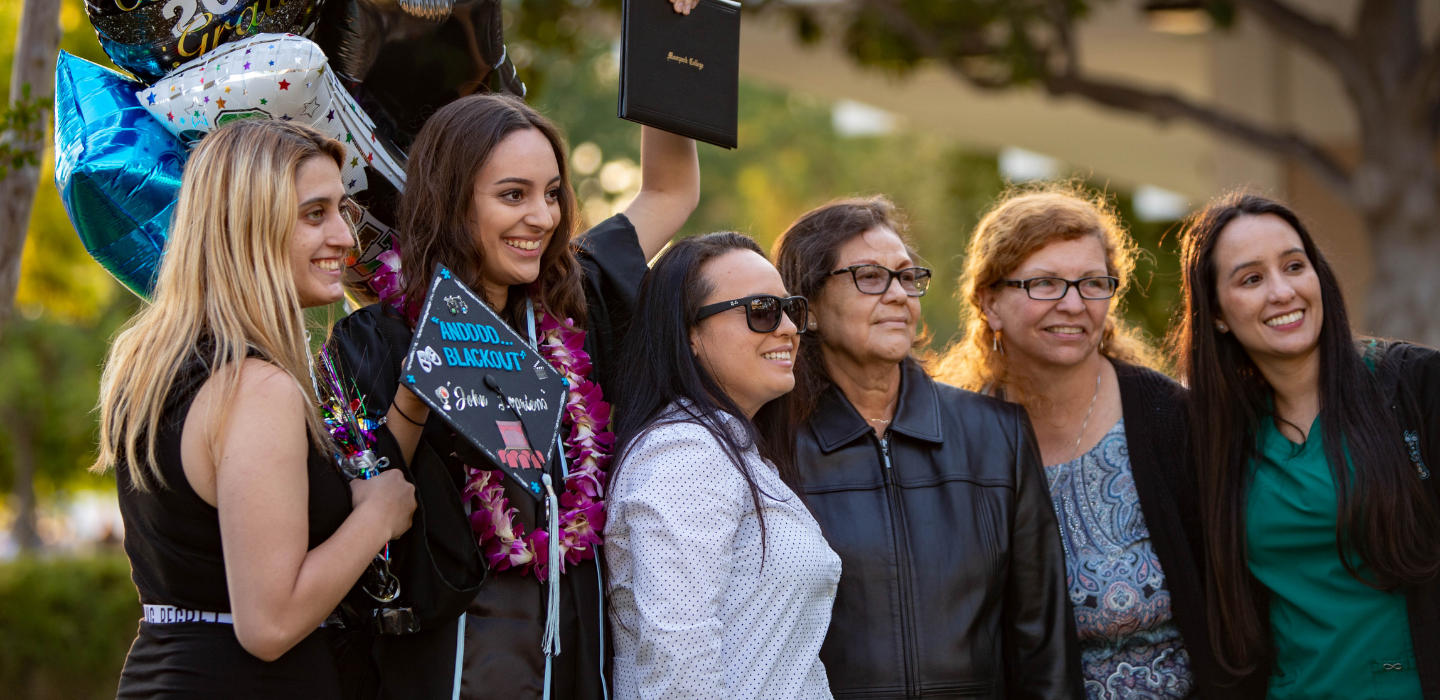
[486, 381]
[681, 73]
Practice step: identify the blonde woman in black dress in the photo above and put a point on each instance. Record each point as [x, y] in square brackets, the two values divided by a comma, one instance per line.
[243, 536]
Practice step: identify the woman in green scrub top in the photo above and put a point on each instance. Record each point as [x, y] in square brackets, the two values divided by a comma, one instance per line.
[1321, 529]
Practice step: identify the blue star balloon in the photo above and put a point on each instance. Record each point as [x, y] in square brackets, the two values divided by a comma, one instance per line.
[117, 169]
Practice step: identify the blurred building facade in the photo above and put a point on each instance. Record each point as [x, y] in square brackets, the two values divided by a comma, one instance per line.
[1244, 69]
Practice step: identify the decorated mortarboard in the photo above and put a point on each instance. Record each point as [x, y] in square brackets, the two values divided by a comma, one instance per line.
[485, 381]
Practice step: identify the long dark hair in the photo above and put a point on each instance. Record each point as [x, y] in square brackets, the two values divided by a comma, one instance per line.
[447, 156]
[805, 254]
[660, 369]
[1384, 517]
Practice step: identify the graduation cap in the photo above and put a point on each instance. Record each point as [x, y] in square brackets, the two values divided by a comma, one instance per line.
[486, 381]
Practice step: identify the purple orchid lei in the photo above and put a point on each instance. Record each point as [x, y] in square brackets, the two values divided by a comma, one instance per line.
[387, 280]
[588, 447]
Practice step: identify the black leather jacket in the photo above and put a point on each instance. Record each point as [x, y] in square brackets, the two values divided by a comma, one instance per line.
[954, 582]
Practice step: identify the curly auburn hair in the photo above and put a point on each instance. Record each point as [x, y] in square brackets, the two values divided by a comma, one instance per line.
[1023, 220]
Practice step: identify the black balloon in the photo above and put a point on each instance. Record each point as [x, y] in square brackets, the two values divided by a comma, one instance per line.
[401, 66]
[150, 38]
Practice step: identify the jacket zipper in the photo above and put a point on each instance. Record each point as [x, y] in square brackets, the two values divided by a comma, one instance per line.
[902, 562]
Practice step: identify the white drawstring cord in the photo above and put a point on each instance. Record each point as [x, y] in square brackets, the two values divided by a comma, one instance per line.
[459, 658]
[530, 322]
[551, 643]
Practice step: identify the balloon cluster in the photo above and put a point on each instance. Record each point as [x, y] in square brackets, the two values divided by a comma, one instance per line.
[367, 72]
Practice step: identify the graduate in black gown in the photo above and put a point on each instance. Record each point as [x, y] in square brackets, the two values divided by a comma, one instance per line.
[488, 196]
[242, 534]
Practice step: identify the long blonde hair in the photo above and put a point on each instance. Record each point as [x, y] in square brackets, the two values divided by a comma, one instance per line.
[1023, 220]
[226, 276]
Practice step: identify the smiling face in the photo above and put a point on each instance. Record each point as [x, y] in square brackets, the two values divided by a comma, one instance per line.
[1059, 333]
[1267, 288]
[321, 238]
[753, 368]
[515, 210]
[868, 328]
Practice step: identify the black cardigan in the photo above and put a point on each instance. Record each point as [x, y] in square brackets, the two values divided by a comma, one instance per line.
[1410, 376]
[1157, 433]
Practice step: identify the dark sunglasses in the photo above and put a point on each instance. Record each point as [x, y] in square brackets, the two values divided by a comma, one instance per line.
[875, 279]
[762, 311]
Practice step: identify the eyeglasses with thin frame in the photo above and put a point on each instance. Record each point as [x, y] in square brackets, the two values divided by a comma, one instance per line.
[875, 279]
[762, 311]
[1053, 288]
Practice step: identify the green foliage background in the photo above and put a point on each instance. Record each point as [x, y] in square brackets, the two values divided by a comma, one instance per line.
[65, 623]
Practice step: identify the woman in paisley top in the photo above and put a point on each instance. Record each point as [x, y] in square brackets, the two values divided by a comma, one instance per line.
[1041, 330]
[1128, 639]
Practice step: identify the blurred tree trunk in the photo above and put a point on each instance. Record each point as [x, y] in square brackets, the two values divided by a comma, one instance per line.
[32, 86]
[22, 448]
[1397, 191]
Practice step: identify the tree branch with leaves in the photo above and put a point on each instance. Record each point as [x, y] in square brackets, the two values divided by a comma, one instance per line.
[1389, 74]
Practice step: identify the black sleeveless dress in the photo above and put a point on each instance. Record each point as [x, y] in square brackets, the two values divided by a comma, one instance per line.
[172, 537]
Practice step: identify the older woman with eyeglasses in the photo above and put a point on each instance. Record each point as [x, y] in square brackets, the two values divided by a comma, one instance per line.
[1043, 331]
[932, 496]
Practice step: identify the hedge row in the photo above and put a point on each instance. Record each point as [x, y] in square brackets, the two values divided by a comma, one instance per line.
[65, 626]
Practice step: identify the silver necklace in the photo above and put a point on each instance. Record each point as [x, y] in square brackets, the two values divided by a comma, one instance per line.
[1088, 411]
[882, 421]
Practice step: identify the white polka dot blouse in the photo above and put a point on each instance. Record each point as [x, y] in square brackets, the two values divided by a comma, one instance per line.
[694, 615]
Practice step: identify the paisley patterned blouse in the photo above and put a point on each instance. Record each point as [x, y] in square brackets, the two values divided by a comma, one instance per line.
[1130, 647]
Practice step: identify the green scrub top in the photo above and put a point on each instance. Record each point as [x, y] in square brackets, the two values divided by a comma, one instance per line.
[1335, 637]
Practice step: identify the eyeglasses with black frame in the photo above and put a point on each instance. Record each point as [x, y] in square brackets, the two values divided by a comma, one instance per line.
[762, 311]
[875, 279]
[1053, 288]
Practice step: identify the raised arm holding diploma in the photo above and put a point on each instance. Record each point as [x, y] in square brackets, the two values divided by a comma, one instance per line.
[489, 199]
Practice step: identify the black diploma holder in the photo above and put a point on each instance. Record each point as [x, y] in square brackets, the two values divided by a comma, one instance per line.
[681, 73]
[486, 381]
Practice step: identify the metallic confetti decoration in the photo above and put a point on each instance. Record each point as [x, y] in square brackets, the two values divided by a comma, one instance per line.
[433, 10]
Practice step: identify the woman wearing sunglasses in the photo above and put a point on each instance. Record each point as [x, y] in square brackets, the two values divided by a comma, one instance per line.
[1043, 331]
[721, 582]
[933, 496]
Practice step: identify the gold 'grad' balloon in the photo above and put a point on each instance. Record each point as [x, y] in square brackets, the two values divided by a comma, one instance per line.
[150, 38]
